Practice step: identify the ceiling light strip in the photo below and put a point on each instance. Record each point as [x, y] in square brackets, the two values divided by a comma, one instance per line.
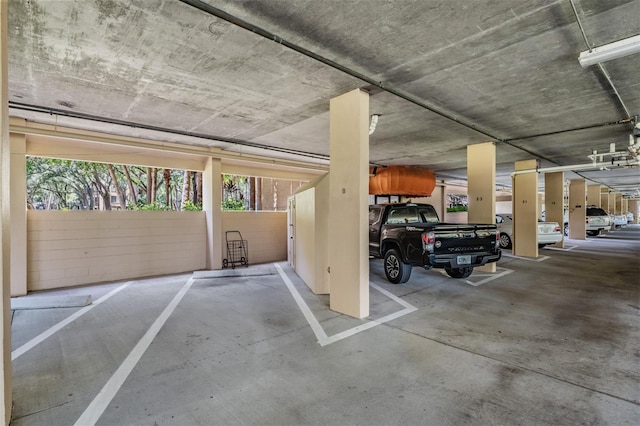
[608, 52]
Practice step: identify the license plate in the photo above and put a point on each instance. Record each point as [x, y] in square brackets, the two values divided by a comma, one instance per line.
[464, 260]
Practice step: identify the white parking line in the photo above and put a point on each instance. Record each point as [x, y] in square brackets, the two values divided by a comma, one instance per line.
[95, 410]
[538, 259]
[490, 277]
[560, 248]
[51, 331]
[321, 335]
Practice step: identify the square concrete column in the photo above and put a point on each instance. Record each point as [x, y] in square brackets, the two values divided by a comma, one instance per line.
[618, 207]
[348, 204]
[593, 195]
[525, 210]
[633, 208]
[554, 200]
[577, 209]
[212, 205]
[5, 212]
[481, 178]
[604, 201]
[18, 214]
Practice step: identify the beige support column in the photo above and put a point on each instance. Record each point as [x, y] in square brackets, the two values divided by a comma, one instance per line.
[554, 200]
[18, 214]
[593, 195]
[481, 190]
[577, 209]
[212, 205]
[633, 207]
[618, 208]
[5, 211]
[525, 210]
[604, 201]
[348, 204]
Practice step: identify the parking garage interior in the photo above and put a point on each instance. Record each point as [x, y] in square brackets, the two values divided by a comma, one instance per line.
[503, 104]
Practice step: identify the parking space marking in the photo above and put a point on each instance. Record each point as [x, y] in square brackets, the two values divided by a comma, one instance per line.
[321, 335]
[538, 259]
[560, 248]
[71, 318]
[490, 277]
[100, 403]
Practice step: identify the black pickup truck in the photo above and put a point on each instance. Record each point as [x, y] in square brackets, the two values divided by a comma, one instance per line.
[407, 235]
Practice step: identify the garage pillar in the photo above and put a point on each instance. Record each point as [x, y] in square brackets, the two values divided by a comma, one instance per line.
[212, 205]
[604, 201]
[633, 208]
[593, 195]
[618, 204]
[348, 204]
[18, 213]
[577, 209]
[5, 211]
[525, 210]
[481, 190]
[554, 200]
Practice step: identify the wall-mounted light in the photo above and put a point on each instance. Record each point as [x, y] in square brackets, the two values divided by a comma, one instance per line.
[615, 50]
[374, 123]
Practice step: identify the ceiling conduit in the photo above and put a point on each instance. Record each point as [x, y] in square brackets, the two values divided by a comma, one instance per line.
[218, 13]
[213, 11]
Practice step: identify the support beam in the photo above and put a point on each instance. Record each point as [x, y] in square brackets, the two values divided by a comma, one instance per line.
[593, 195]
[18, 214]
[525, 210]
[554, 200]
[633, 208]
[577, 209]
[212, 205]
[5, 212]
[348, 204]
[481, 175]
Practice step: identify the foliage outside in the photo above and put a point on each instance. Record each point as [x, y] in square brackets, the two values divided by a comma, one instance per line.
[54, 184]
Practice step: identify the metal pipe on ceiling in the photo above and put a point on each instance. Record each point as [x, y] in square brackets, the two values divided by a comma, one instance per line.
[600, 67]
[73, 114]
[234, 20]
[587, 166]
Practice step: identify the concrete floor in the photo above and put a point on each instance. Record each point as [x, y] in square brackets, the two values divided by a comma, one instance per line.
[551, 342]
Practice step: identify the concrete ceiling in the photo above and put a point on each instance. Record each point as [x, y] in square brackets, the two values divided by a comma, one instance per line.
[452, 73]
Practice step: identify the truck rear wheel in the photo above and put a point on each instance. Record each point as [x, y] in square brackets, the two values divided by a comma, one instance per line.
[395, 269]
[459, 272]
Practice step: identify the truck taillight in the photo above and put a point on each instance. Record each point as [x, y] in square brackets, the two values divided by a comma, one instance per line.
[557, 229]
[428, 241]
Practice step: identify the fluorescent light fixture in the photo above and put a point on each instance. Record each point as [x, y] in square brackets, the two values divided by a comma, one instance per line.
[617, 49]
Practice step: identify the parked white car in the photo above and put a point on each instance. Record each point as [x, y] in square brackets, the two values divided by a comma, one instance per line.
[597, 220]
[620, 220]
[548, 232]
[629, 217]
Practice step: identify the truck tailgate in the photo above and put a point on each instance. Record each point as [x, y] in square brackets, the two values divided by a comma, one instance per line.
[453, 238]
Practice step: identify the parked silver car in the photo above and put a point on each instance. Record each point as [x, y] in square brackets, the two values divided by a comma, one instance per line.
[548, 232]
[597, 220]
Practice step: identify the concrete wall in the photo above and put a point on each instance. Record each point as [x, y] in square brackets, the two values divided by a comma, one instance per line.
[67, 248]
[265, 232]
[312, 229]
[305, 236]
